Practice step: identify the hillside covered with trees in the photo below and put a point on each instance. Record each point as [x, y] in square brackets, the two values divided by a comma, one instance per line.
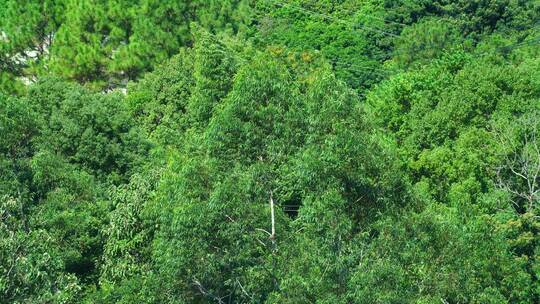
[270, 151]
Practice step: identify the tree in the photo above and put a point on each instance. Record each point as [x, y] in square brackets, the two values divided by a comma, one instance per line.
[519, 174]
[103, 44]
[441, 254]
[28, 29]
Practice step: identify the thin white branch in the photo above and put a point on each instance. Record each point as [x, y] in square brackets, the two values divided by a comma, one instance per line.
[273, 235]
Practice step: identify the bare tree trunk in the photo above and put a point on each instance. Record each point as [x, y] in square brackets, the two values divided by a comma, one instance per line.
[272, 218]
[519, 175]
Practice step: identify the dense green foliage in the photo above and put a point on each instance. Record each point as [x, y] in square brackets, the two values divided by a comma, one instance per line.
[357, 151]
[103, 43]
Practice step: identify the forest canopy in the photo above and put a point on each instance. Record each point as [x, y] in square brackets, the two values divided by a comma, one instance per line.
[291, 151]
